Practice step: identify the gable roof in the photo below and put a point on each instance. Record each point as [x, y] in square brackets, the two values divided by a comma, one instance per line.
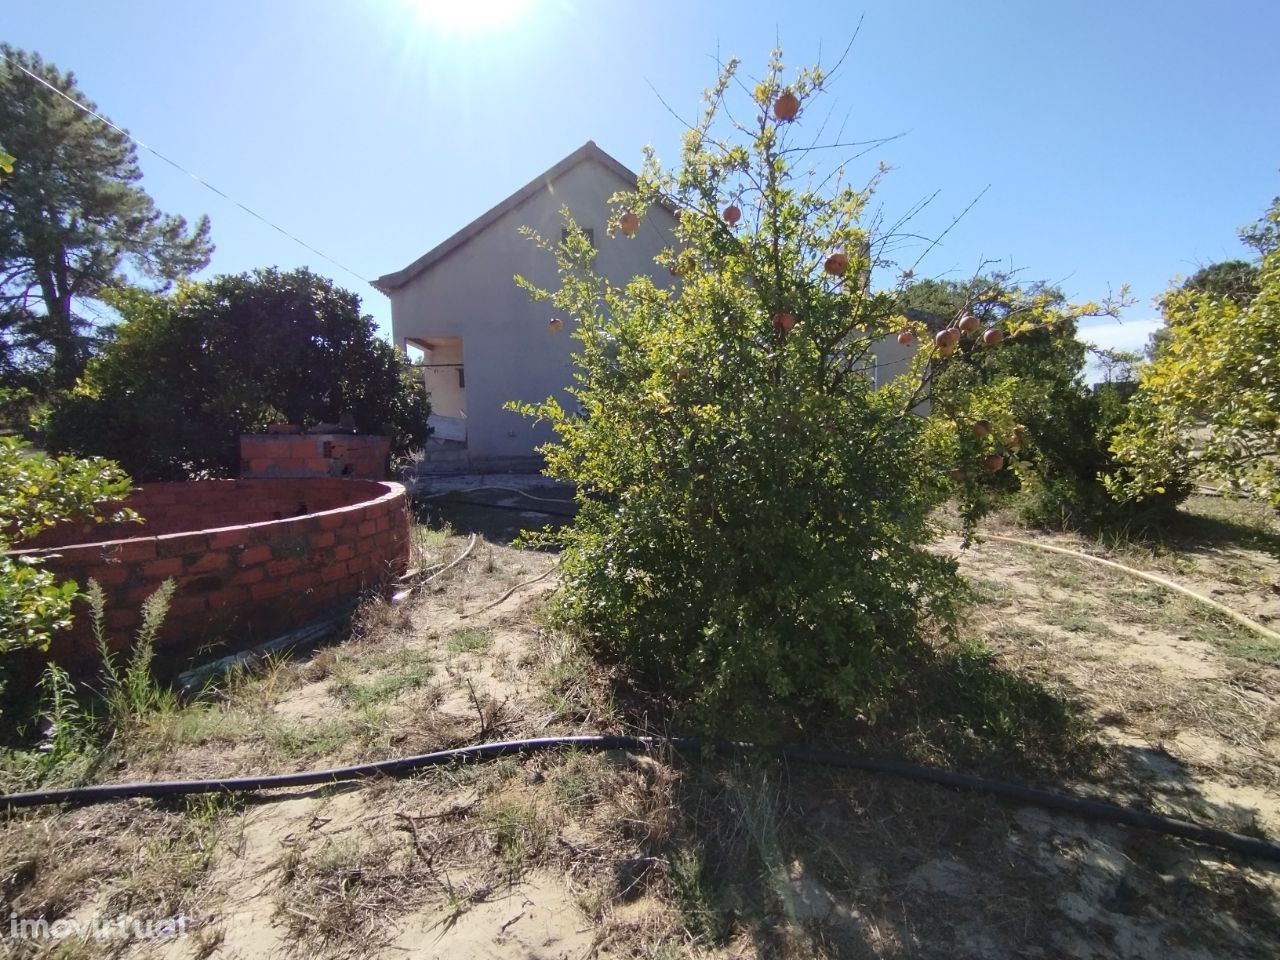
[587, 152]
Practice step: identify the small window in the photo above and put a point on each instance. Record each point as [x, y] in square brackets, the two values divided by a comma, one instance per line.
[591, 234]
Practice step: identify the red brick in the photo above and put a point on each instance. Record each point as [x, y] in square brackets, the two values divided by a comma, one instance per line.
[121, 618]
[181, 606]
[160, 569]
[305, 580]
[282, 568]
[344, 552]
[228, 597]
[210, 561]
[105, 574]
[367, 528]
[328, 591]
[383, 522]
[230, 537]
[268, 589]
[251, 575]
[260, 553]
[331, 521]
[141, 548]
[333, 572]
[322, 539]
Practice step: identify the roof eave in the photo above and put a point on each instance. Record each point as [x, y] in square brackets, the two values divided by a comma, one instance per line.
[588, 151]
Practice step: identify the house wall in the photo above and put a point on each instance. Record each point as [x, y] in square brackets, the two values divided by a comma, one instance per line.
[448, 396]
[892, 358]
[508, 352]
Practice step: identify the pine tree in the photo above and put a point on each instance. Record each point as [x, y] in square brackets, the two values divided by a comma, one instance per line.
[72, 220]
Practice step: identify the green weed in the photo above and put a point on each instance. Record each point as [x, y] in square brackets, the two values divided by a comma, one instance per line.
[469, 640]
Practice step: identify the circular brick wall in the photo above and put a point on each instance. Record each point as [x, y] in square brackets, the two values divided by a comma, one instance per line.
[250, 559]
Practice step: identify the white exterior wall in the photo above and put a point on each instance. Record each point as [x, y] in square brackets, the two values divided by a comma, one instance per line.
[891, 357]
[442, 379]
[507, 350]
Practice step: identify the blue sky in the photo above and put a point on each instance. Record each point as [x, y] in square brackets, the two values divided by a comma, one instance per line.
[1124, 142]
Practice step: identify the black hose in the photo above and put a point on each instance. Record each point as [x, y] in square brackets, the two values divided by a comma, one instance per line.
[1063, 802]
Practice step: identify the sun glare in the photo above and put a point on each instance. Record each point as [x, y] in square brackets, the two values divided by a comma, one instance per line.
[470, 16]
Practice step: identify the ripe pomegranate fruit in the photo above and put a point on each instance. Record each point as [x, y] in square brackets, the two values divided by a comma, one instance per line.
[786, 107]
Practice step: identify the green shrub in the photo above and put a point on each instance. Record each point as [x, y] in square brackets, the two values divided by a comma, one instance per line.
[36, 492]
[187, 373]
[129, 690]
[1037, 377]
[754, 511]
[1070, 455]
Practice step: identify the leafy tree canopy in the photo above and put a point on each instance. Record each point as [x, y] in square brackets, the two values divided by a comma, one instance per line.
[72, 221]
[188, 372]
[1210, 402]
[1234, 280]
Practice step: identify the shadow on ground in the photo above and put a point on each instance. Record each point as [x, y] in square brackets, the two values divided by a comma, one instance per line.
[799, 861]
[499, 516]
[831, 864]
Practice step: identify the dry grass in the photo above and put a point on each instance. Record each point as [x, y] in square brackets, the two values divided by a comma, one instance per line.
[1060, 675]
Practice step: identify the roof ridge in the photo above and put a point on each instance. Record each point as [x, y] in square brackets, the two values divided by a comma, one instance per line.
[588, 151]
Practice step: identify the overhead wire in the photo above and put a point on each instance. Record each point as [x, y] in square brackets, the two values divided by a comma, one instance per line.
[177, 166]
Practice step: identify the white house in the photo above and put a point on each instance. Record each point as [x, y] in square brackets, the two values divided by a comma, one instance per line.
[485, 343]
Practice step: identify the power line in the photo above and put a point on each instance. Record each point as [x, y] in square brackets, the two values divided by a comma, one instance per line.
[177, 166]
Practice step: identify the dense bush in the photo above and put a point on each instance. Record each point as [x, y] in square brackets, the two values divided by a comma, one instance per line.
[186, 374]
[1065, 428]
[36, 492]
[754, 512]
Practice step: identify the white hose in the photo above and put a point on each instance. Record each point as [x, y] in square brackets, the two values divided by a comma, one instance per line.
[1151, 578]
[487, 486]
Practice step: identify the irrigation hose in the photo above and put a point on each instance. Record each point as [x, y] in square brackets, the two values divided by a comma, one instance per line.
[503, 506]
[1222, 608]
[489, 486]
[1050, 800]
